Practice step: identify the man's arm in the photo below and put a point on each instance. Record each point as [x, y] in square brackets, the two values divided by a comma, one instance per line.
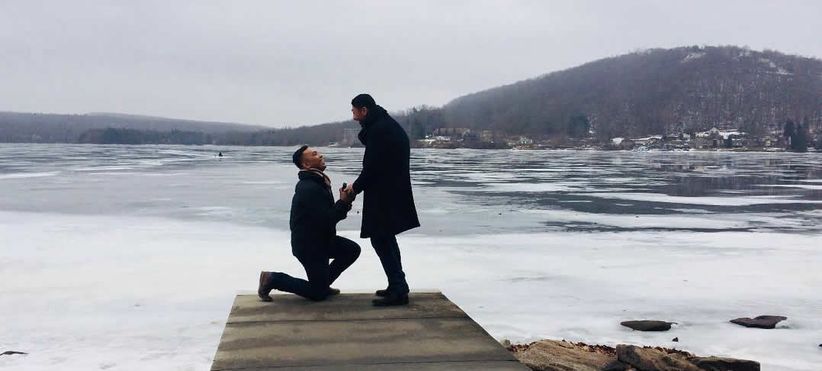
[339, 211]
[315, 208]
[376, 151]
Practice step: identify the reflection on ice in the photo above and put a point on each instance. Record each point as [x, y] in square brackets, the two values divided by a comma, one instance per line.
[27, 175]
[716, 201]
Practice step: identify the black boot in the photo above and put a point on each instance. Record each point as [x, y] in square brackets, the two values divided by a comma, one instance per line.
[382, 293]
[391, 299]
[264, 288]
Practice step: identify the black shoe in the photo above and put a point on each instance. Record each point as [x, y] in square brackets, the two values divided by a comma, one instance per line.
[332, 291]
[265, 286]
[390, 300]
[382, 293]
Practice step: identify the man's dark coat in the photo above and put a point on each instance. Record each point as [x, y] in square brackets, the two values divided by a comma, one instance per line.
[388, 205]
[314, 215]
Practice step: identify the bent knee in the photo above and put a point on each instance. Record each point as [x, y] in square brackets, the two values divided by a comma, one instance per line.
[318, 294]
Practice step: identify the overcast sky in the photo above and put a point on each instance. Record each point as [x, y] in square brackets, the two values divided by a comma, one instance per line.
[287, 63]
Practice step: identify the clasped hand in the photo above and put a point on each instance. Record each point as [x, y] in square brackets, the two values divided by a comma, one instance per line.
[347, 194]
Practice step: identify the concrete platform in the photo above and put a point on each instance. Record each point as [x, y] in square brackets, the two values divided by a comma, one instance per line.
[347, 333]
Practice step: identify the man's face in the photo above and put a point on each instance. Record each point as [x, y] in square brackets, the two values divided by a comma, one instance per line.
[359, 113]
[313, 159]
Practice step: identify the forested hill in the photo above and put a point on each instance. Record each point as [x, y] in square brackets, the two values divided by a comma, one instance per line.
[654, 92]
[58, 128]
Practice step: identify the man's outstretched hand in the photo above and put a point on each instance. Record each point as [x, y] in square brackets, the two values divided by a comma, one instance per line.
[347, 195]
[350, 189]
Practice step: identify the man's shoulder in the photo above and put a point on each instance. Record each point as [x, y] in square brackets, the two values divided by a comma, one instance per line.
[387, 119]
[306, 184]
[387, 125]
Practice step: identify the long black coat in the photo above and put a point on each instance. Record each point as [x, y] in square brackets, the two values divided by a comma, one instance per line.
[388, 205]
[314, 215]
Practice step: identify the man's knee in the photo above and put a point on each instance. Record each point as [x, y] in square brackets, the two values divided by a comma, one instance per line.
[318, 293]
[355, 252]
[350, 249]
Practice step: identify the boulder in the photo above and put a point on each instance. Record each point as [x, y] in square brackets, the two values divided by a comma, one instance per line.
[724, 364]
[551, 355]
[11, 353]
[652, 359]
[648, 325]
[767, 322]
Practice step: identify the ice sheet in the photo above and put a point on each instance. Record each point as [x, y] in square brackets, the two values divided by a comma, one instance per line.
[133, 263]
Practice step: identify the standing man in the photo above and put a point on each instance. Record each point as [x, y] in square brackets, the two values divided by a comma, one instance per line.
[388, 206]
[314, 240]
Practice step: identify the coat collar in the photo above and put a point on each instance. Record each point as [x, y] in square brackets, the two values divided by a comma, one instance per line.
[373, 116]
[316, 175]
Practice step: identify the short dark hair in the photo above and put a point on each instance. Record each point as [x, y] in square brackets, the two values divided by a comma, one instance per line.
[298, 156]
[363, 100]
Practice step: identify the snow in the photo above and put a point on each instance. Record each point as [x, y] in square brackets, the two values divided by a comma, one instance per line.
[692, 56]
[90, 292]
[774, 66]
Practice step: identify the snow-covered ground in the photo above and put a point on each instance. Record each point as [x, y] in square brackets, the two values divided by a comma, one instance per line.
[128, 258]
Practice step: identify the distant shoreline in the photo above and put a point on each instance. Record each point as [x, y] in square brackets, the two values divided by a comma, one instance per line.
[577, 148]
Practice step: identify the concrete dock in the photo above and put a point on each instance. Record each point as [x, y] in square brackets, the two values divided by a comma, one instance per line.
[346, 333]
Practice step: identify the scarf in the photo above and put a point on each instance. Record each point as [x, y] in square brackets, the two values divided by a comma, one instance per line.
[319, 173]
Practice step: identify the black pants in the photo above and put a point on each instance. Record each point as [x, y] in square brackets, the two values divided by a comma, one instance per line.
[320, 273]
[389, 252]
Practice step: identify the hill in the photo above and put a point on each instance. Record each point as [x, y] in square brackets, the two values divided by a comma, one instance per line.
[654, 92]
[58, 128]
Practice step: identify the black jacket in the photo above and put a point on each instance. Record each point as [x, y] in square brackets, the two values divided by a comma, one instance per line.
[314, 215]
[388, 205]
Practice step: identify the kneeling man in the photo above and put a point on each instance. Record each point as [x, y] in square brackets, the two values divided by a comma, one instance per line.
[314, 240]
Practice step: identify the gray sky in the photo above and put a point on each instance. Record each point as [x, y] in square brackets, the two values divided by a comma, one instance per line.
[287, 63]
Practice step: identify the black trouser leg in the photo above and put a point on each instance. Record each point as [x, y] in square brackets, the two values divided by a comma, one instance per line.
[389, 253]
[344, 252]
[320, 274]
[316, 288]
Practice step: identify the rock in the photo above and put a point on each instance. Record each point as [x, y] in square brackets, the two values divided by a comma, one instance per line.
[767, 322]
[724, 364]
[506, 343]
[616, 365]
[553, 355]
[651, 359]
[648, 325]
[11, 352]
[676, 340]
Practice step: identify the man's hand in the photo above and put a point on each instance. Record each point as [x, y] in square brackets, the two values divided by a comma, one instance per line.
[346, 195]
[350, 189]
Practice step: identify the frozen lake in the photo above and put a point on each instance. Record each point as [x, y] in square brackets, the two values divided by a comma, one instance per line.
[128, 257]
